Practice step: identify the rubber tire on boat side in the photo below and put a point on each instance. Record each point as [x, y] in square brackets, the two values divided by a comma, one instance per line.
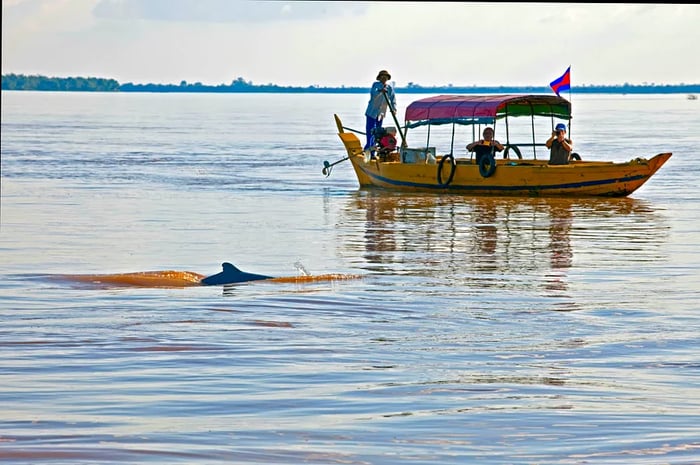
[574, 156]
[453, 166]
[483, 170]
[515, 149]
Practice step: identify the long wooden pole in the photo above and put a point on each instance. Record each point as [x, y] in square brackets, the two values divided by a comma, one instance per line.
[398, 126]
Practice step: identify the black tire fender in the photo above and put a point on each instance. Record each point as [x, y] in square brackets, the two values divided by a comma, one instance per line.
[487, 166]
[453, 166]
[515, 149]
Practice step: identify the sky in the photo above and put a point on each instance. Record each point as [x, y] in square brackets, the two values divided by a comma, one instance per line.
[346, 43]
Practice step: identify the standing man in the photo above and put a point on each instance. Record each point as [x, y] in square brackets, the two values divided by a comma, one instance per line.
[559, 146]
[376, 108]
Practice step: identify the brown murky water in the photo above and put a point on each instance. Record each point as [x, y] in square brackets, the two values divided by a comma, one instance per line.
[480, 330]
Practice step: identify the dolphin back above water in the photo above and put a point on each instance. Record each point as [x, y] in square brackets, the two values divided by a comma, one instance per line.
[178, 279]
[231, 275]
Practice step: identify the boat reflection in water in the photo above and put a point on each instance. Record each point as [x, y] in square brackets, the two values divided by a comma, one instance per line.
[503, 242]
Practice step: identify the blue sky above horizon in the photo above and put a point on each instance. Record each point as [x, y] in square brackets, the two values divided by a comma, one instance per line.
[346, 43]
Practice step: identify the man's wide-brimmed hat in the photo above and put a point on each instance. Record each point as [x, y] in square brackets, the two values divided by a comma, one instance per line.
[383, 73]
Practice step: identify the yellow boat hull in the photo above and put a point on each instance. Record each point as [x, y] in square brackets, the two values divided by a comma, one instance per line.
[511, 177]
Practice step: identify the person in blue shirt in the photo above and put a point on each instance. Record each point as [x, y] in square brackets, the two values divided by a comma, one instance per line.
[376, 108]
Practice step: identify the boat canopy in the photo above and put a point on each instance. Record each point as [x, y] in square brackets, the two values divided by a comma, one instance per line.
[483, 109]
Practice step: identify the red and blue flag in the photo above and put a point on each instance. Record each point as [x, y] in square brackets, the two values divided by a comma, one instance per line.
[562, 83]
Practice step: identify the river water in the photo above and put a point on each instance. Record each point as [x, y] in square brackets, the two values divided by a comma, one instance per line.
[482, 330]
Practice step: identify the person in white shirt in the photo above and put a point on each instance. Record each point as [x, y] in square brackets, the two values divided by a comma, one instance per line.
[380, 92]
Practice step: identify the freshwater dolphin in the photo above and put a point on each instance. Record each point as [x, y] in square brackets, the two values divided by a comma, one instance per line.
[231, 275]
[173, 278]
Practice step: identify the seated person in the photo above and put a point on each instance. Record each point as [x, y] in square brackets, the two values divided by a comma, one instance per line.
[485, 146]
[559, 146]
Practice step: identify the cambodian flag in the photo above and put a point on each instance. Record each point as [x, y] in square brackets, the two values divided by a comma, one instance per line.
[563, 82]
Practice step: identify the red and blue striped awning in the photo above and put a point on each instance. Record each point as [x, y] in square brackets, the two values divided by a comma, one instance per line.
[478, 109]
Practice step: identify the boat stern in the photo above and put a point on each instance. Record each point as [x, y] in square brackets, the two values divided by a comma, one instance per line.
[657, 162]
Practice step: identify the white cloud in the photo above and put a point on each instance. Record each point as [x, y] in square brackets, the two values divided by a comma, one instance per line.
[222, 10]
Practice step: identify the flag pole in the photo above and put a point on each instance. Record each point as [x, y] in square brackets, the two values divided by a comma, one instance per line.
[570, 102]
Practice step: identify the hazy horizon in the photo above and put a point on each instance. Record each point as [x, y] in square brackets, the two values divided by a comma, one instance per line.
[349, 86]
[334, 44]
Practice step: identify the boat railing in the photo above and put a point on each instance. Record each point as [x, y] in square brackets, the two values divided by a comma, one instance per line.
[515, 147]
[528, 144]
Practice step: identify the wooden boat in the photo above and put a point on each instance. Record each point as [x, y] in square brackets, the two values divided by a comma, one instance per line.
[423, 168]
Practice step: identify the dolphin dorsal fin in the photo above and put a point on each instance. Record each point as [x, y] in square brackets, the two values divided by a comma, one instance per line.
[229, 267]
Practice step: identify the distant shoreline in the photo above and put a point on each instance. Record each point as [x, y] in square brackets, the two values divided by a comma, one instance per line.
[22, 82]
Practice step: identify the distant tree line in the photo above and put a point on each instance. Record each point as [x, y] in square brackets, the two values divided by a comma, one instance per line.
[240, 85]
[79, 84]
